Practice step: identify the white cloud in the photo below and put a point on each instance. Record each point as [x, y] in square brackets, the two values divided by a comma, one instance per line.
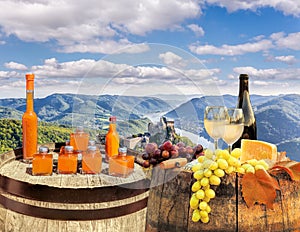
[277, 35]
[196, 29]
[16, 66]
[277, 40]
[286, 59]
[288, 7]
[88, 76]
[269, 81]
[231, 50]
[291, 41]
[104, 26]
[91, 26]
[10, 74]
[104, 46]
[272, 74]
[72, 69]
[170, 58]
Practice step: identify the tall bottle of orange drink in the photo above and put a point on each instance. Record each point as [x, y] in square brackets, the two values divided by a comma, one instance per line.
[29, 122]
[112, 139]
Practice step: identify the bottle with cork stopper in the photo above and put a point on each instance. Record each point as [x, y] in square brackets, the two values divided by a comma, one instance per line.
[250, 130]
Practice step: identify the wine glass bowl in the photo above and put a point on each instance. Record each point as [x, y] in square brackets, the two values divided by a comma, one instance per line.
[214, 122]
[234, 126]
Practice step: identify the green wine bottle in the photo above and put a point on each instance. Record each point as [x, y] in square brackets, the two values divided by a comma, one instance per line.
[250, 130]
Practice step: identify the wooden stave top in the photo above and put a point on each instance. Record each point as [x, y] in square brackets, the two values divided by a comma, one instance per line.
[73, 188]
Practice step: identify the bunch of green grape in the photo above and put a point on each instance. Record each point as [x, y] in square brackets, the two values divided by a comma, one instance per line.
[208, 173]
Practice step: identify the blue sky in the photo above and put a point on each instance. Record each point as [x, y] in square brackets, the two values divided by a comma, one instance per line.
[149, 47]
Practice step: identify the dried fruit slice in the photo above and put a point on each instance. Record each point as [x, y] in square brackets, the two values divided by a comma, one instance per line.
[256, 149]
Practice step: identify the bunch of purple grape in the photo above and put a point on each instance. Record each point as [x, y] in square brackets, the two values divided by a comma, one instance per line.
[155, 154]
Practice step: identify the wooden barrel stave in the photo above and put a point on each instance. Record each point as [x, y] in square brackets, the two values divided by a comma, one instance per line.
[229, 211]
[175, 217]
[285, 216]
[290, 195]
[74, 202]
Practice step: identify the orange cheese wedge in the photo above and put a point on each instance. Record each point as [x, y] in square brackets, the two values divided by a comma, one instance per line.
[256, 149]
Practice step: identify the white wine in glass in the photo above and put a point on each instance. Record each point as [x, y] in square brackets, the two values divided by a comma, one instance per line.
[234, 126]
[214, 122]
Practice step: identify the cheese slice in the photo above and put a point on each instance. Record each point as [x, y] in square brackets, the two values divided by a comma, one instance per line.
[256, 149]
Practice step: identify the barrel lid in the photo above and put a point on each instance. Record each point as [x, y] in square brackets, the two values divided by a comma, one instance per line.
[123, 149]
[43, 149]
[69, 148]
[92, 143]
[79, 129]
[92, 148]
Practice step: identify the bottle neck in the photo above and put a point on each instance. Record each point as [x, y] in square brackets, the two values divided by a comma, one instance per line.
[29, 100]
[243, 87]
[112, 126]
[247, 110]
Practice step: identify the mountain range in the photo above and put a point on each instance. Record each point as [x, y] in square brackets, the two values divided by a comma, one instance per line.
[278, 118]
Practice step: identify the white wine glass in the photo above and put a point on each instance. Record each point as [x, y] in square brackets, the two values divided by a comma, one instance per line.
[234, 126]
[214, 122]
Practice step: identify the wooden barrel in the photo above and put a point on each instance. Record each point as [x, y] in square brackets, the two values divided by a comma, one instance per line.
[70, 202]
[170, 211]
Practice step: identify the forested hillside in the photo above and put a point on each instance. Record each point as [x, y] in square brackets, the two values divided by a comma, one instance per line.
[11, 133]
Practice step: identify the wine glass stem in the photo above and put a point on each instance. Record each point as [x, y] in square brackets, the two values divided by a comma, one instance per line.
[216, 144]
[229, 148]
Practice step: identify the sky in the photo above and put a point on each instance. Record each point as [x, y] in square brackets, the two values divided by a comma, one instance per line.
[149, 47]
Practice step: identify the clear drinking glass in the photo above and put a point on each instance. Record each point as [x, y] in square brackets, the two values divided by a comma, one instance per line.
[214, 122]
[234, 126]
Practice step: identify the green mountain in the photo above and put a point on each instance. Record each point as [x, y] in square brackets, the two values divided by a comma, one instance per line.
[278, 119]
[59, 114]
[89, 110]
[11, 133]
[7, 112]
[277, 116]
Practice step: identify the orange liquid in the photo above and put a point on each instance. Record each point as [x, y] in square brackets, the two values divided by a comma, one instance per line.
[130, 159]
[42, 164]
[67, 163]
[121, 166]
[92, 163]
[111, 142]
[79, 140]
[29, 130]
